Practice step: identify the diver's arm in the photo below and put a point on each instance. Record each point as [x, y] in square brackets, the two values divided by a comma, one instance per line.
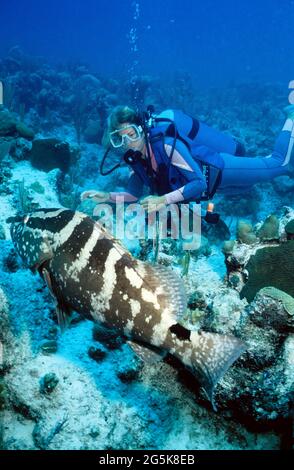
[132, 194]
[192, 190]
[191, 171]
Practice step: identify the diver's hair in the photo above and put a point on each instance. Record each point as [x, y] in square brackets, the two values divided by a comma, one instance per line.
[118, 116]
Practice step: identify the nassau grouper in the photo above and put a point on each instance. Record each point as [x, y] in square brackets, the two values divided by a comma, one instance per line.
[89, 272]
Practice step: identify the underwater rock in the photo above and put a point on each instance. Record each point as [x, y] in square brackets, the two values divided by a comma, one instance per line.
[197, 300]
[268, 262]
[49, 346]
[228, 246]
[222, 319]
[20, 149]
[107, 337]
[198, 309]
[5, 175]
[5, 145]
[270, 266]
[273, 308]
[11, 263]
[245, 233]
[24, 131]
[270, 229]
[5, 333]
[3, 398]
[7, 123]
[9, 126]
[37, 187]
[96, 353]
[235, 280]
[289, 229]
[259, 388]
[48, 383]
[129, 373]
[47, 154]
[2, 232]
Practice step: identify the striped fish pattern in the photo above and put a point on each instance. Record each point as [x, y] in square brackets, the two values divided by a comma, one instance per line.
[89, 272]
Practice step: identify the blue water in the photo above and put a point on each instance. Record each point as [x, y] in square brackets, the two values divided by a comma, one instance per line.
[217, 42]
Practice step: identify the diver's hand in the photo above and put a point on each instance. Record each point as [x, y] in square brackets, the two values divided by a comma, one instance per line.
[153, 203]
[97, 196]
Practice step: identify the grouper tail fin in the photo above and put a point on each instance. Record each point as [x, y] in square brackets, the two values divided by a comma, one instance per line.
[212, 355]
[207, 355]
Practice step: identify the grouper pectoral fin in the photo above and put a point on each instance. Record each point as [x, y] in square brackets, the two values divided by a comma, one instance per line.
[63, 314]
[63, 317]
[145, 353]
[212, 355]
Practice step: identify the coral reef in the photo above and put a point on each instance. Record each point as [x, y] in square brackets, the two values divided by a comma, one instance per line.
[245, 233]
[266, 368]
[9, 126]
[47, 154]
[270, 266]
[268, 262]
[270, 229]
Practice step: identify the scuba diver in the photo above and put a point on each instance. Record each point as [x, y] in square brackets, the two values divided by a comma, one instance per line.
[182, 160]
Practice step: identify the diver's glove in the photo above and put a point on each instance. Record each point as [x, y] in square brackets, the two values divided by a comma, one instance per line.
[289, 110]
[97, 196]
[153, 203]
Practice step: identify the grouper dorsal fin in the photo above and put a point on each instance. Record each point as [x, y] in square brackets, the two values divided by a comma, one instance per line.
[172, 285]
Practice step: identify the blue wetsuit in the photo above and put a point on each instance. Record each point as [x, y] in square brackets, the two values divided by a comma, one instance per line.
[198, 147]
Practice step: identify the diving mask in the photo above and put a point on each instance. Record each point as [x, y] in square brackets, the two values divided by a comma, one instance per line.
[131, 133]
